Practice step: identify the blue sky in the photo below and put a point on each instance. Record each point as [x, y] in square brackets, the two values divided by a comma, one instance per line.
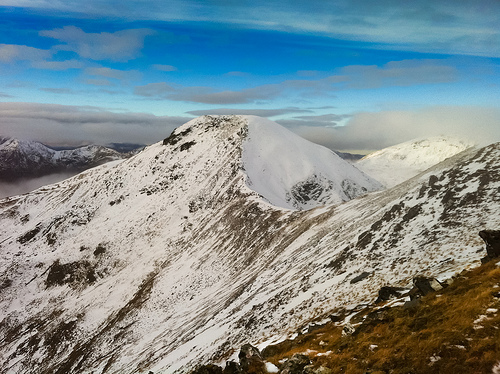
[352, 75]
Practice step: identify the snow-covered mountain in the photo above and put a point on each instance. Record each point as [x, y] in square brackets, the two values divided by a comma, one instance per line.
[177, 255]
[23, 159]
[398, 163]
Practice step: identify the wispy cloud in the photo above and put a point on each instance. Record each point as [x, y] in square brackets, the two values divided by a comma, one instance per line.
[253, 112]
[58, 65]
[164, 67]
[12, 52]
[458, 27]
[375, 130]
[64, 124]
[116, 46]
[393, 74]
[208, 95]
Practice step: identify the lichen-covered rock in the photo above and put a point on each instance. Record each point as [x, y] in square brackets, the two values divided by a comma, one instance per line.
[296, 364]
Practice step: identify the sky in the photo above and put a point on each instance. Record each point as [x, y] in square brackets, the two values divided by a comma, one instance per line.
[353, 75]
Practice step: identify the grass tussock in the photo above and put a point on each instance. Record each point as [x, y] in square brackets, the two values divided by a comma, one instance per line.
[455, 330]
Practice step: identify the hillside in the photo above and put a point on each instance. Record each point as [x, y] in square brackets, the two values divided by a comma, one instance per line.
[173, 257]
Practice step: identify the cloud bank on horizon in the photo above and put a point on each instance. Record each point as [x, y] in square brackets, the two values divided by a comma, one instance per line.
[351, 75]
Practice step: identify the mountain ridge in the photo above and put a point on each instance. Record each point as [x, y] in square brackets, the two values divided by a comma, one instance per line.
[27, 159]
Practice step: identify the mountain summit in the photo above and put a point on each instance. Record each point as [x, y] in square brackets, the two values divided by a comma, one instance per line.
[177, 255]
[400, 162]
[283, 168]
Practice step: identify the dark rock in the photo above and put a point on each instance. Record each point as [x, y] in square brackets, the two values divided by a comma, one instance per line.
[232, 368]
[335, 317]
[295, 365]
[78, 273]
[100, 249]
[208, 369]
[187, 145]
[29, 235]
[492, 240]
[251, 360]
[175, 137]
[424, 286]
[360, 277]
[387, 292]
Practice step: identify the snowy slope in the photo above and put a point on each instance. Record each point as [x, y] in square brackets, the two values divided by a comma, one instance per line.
[21, 159]
[292, 172]
[169, 259]
[398, 163]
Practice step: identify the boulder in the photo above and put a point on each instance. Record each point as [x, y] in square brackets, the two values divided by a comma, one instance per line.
[295, 364]
[310, 369]
[424, 286]
[232, 367]
[387, 292]
[492, 241]
[251, 361]
[208, 369]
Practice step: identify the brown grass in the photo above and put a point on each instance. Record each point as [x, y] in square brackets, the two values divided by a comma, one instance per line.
[440, 336]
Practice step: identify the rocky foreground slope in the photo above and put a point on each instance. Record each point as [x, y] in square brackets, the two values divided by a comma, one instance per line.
[173, 257]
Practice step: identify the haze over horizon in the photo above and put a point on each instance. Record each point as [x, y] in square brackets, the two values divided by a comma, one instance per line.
[351, 75]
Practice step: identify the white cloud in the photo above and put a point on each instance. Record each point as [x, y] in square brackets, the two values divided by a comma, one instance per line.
[117, 46]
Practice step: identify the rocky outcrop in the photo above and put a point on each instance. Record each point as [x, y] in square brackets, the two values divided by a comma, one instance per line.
[387, 292]
[424, 286]
[296, 364]
[492, 240]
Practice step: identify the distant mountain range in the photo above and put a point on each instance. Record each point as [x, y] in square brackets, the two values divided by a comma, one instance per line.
[29, 159]
[231, 230]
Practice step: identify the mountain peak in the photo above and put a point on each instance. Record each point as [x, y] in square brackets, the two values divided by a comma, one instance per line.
[400, 162]
[286, 170]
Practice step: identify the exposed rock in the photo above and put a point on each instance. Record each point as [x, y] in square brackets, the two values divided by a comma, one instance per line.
[348, 329]
[387, 292]
[492, 240]
[310, 369]
[360, 277]
[251, 360]
[296, 364]
[208, 369]
[232, 367]
[424, 286]
[73, 273]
